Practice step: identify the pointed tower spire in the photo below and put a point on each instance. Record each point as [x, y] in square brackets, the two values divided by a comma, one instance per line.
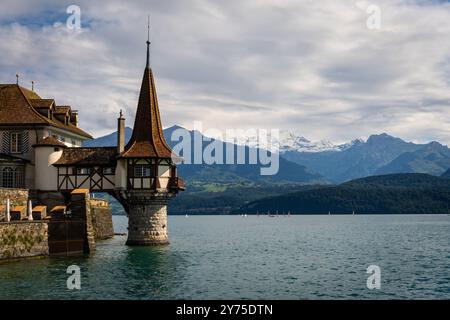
[148, 42]
[147, 139]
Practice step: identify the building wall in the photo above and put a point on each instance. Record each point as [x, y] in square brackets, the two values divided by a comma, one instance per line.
[121, 174]
[23, 239]
[164, 175]
[68, 139]
[29, 137]
[46, 175]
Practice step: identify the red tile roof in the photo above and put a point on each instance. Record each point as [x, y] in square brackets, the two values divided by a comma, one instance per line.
[16, 108]
[41, 103]
[88, 156]
[62, 109]
[147, 139]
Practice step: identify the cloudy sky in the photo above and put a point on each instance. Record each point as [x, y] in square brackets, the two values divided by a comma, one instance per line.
[324, 68]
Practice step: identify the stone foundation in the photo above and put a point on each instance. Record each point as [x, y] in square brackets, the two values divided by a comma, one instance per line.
[147, 218]
[23, 239]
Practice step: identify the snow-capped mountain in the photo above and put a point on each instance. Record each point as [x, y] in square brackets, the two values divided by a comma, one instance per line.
[291, 140]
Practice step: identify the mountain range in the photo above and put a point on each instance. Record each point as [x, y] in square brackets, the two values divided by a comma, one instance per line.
[291, 140]
[208, 175]
[380, 154]
[306, 162]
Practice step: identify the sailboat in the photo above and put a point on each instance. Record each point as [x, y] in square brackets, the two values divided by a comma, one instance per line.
[187, 215]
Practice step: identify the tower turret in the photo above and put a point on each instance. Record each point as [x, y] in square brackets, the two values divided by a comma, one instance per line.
[146, 170]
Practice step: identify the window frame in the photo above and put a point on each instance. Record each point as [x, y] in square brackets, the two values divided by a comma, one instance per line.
[18, 142]
[12, 177]
[82, 171]
[142, 171]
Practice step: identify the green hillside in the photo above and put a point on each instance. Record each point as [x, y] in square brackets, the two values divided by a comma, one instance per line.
[388, 194]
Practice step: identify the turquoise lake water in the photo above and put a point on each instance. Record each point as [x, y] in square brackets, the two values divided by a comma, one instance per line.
[233, 257]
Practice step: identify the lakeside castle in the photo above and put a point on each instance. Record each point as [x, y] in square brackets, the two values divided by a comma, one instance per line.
[41, 154]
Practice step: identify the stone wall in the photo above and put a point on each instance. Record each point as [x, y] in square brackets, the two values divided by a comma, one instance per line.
[17, 197]
[101, 219]
[23, 239]
[81, 209]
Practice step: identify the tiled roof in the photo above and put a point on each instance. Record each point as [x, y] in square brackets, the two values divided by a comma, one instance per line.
[88, 156]
[50, 141]
[41, 103]
[16, 108]
[62, 109]
[147, 140]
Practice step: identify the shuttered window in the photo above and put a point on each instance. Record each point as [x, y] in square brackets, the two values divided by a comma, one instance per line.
[16, 142]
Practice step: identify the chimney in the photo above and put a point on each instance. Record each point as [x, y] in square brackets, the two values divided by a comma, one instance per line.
[120, 133]
[74, 118]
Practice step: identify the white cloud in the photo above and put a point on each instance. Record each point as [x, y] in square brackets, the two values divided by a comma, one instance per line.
[307, 65]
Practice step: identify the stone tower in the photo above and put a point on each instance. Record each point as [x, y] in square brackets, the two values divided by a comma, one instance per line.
[146, 175]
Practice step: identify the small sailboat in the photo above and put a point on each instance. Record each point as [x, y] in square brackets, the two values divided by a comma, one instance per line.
[353, 213]
[289, 213]
[187, 215]
[329, 213]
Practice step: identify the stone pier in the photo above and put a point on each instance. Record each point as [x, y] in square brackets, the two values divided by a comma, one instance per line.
[147, 218]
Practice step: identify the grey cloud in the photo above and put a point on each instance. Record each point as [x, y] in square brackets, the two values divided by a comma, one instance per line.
[308, 65]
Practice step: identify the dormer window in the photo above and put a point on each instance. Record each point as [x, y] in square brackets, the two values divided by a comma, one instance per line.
[16, 142]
